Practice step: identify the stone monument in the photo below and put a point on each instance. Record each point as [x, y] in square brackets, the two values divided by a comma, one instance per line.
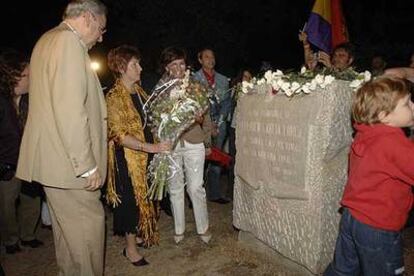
[291, 168]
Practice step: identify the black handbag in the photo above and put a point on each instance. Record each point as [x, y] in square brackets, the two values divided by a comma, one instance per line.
[7, 171]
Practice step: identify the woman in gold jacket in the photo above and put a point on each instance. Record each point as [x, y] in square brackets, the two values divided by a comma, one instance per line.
[130, 150]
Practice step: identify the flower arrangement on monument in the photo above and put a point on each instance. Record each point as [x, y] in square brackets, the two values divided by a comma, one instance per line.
[305, 81]
[172, 109]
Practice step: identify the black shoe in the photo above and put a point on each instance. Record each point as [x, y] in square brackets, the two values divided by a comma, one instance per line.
[12, 249]
[35, 243]
[221, 200]
[141, 261]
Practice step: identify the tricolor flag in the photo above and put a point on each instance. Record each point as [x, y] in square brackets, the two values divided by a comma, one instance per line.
[326, 25]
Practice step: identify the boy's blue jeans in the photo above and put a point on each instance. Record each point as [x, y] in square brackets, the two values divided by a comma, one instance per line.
[364, 250]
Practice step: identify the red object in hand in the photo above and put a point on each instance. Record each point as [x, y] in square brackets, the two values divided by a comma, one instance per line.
[219, 156]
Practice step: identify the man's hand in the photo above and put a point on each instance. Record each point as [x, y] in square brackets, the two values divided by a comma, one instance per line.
[208, 151]
[325, 59]
[214, 130]
[94, 181]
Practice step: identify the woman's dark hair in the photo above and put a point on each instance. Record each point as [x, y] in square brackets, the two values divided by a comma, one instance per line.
[239, 77]
[119, 57]
[12, 64]
[170, 54]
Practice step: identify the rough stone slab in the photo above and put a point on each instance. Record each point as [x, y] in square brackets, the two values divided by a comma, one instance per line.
[248, 240]
[291, 167]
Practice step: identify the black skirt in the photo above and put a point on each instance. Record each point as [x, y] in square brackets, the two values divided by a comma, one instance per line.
[126, 214]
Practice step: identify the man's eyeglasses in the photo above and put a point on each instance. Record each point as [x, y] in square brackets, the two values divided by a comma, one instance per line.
[102, 29]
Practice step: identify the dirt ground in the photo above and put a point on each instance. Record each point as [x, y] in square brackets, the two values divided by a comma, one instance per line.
[223, 256]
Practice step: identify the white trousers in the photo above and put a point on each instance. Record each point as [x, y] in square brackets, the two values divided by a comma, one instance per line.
[189, 157]
[45, 215]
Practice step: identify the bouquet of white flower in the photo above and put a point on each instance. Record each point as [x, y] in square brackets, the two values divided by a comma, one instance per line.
[172, 109]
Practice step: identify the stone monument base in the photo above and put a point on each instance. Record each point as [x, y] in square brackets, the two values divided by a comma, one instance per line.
[248, 240]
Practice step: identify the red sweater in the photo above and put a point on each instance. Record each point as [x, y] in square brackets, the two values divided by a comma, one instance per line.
[381, 173]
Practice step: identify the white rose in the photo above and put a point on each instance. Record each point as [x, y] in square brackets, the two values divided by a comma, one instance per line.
[246, 86]
[261, 81]
[278, 73]
[288, 92]
[303, 70]
[268, 76]
[305, 88]
[329, 79]
[164, 116]
[285, 86]
[275, 85]
[175, 93]
[295, 86]
[175, 119]
[355, 83]
[318, 79]
[313, 84]
[367, 76]
[280, 82]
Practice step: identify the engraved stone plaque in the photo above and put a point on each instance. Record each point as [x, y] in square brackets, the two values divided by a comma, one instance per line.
[291, 167]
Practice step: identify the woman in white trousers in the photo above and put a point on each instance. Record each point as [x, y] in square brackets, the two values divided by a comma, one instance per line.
[189, 154]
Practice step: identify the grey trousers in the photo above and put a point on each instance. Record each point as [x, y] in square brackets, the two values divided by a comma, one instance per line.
[17, 222]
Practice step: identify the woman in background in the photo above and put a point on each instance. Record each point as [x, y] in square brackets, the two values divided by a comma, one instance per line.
[21, 223]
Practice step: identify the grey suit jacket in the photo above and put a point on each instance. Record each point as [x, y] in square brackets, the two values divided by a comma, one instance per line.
[66, 132]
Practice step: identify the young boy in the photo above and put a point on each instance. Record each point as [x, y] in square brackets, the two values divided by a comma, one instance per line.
[377, 197]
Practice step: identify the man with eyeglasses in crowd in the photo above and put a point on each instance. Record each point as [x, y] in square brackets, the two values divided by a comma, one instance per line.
[64, 141]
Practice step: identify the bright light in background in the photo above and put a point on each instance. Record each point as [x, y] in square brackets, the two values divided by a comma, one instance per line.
[95, 66]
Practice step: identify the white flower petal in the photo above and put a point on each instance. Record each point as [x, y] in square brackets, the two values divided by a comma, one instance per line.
[303, 70]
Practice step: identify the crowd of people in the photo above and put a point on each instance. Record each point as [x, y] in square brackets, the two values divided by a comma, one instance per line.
[71, 137]
[71, 140]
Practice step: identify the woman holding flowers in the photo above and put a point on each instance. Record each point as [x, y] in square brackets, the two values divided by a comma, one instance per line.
[130, 150]
[189, 153]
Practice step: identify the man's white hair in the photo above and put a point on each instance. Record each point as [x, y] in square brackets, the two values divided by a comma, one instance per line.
[77, 7]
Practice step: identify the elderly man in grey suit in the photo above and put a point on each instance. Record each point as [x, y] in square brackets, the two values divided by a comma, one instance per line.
[64, 141]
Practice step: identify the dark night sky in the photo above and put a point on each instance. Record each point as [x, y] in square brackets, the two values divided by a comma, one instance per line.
[241, 34]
